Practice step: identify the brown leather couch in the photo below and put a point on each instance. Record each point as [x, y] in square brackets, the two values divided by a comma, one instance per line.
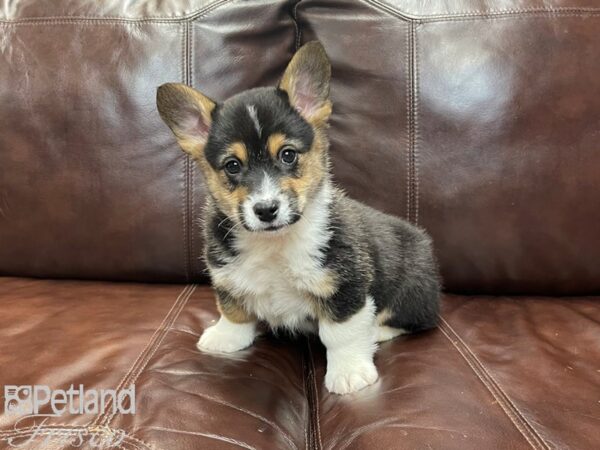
[477, 120]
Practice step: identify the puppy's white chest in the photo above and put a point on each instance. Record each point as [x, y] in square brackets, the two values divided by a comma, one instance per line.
[275, 278]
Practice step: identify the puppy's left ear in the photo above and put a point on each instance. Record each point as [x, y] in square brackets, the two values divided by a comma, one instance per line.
[306, 81]
[188, 113]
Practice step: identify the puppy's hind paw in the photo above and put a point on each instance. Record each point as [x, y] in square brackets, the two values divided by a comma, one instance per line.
[350, 379]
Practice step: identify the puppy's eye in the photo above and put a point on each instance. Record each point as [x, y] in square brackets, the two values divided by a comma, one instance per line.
[288, 156]
[233, 167]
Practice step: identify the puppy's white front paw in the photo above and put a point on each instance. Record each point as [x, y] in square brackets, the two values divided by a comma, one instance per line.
[226, 339]
[345, 379]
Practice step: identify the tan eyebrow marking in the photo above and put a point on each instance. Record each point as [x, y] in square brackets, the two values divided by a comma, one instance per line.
[238, 149]
[275, 142]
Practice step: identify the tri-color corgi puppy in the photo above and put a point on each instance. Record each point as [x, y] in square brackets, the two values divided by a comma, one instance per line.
[284, 246]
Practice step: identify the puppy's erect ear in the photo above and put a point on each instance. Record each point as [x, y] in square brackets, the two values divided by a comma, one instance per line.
[188, 113]
[306, 81]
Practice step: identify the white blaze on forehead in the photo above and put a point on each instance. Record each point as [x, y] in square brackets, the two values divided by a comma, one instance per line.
[254, 116]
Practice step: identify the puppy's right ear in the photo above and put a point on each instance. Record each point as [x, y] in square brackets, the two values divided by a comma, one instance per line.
[188, 113]
[306, 81]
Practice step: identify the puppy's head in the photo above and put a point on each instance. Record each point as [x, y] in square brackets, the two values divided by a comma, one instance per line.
[263, 152]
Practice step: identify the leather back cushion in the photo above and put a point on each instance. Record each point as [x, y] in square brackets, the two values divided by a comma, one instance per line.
[479, 124]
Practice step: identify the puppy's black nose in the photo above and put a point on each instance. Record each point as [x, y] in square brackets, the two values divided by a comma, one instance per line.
[266, 211]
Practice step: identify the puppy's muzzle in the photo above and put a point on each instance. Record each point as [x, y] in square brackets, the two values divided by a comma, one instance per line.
[266, 211]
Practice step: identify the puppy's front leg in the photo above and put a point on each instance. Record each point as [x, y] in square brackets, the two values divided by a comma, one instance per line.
[350, 347]
[234, 331]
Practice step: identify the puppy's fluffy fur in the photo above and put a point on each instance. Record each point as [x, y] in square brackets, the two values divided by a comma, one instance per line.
[284, 246]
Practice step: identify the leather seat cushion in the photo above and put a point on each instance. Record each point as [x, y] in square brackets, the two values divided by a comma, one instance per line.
[497, 371]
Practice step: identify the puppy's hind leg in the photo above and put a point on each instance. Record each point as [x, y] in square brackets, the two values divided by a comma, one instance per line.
[384, 331]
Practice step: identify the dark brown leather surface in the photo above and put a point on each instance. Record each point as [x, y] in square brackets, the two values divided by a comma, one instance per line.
[478, 120]
[90, 186]
[499, 373]
[426, 397]
[540, 356]
[166, 9]
[102, 335]
[469, 8]
[508, 160]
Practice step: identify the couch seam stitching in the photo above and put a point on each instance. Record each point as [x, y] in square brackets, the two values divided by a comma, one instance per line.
[154, 348]
[510, 409]
[184, 39]
[87, 22]
[315, 398]
[99, 417]
[408, 16]
[190, 225]
[216, 5]
[188, 289]
[412, 177]
[200, 12]
[187, 165]
[408, 120]
[415, 114]
[194, 269]
[297, 25]
[491, 391]
[161, 330]
[305, 396]
[411, 172]
[508, 16]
